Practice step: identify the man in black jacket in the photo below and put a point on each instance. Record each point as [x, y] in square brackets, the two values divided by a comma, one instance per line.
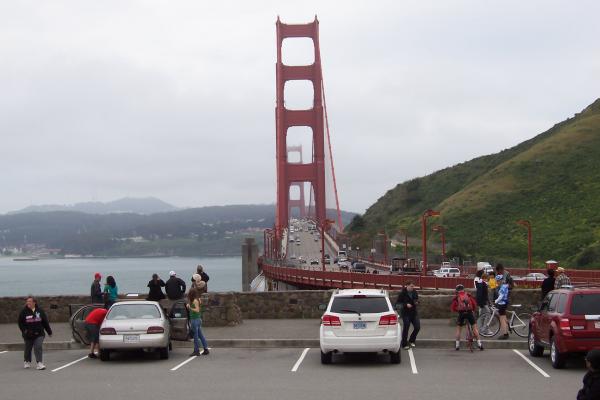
[96, 290]
[175, 287]
[548, 283]
[32, 323]
[591, 380]
[409, 300]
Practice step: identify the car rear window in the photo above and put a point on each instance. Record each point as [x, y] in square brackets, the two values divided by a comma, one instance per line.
[349, 305]
[586, 304]
[133, 311]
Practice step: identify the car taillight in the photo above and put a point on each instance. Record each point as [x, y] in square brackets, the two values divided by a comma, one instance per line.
[331, 320]
[108, 331]
[389, 319]
[156, 329]
[565, 325]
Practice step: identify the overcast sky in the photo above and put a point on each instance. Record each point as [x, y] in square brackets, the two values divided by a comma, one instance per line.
[175, 99]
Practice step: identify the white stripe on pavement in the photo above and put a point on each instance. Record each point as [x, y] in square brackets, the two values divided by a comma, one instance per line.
[175, 368]
[297, 365]
[538, 369]
[5, 351]
[69, 364]
[413, 365]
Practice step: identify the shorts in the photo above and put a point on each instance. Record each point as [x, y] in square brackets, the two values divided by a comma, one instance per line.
[465, 316]
[502, 309]
[93, 332]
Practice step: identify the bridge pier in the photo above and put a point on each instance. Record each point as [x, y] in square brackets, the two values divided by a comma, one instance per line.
[249, 263]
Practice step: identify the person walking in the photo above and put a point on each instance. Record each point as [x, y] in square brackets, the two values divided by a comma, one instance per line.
[591, 379]
[96, 290]
[92, 327]
[155, 285]
[175, 287]
[33, 321]
[464, 304]
[194, 305]
[548, 283]
[562, 279]
[409, 300]
[111, 292]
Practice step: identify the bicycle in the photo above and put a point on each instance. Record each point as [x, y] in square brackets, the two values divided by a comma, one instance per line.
[469, 336]
[489, 322]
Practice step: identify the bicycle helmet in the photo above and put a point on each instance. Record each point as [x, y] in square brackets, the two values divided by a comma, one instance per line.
[459, 288]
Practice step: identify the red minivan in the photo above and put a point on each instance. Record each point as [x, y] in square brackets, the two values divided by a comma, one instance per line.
[567, 322]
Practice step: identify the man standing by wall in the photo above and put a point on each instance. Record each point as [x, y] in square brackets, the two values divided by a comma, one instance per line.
[409, 300]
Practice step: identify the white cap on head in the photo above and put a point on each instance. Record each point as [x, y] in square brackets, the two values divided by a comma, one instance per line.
[172, 273]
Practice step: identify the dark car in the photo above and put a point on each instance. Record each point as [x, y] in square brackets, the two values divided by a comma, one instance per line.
[359, 267]
[567, 322]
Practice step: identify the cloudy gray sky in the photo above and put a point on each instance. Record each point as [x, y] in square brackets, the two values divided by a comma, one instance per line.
[175, 99]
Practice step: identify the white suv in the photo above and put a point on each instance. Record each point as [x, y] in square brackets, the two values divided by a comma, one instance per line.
[447, 273]
[359, 321]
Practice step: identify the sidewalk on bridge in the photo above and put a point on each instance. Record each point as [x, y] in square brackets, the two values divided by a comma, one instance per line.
[262, 333]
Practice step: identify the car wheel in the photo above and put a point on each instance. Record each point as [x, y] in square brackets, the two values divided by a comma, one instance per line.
[558, 359]
[326, 358]
[164, 353]
[534, 349]
[395, 358]
[104, 354]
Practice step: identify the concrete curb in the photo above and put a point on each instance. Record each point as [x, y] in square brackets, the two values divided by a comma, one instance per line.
[280, 343]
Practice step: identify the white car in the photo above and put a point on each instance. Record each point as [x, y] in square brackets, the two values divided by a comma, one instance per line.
[534, 276]
[447, 272]
[359, 321]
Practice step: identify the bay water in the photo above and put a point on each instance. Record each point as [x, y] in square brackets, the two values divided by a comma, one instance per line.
[74, 276]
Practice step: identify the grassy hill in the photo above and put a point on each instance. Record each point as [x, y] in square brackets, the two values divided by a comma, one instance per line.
[552, 180]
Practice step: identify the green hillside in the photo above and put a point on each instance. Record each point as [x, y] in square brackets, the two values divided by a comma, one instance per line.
[552, 180]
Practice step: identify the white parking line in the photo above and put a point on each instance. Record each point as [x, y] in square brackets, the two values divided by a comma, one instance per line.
[413, 365]
[538, 369]
[5, 351]
[69, 364]
[175, 368]
[297, 365]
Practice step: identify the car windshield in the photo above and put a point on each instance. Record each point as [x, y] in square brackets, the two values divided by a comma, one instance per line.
[349, 305]
[586, 304]
[133, 311]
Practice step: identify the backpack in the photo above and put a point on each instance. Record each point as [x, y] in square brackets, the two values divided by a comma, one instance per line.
[463, 302]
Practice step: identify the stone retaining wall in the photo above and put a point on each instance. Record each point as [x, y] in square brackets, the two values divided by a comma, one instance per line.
[230, 308]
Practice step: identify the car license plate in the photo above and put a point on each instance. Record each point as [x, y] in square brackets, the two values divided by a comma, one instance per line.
[597, 324]
[360, 325]
[131, 338]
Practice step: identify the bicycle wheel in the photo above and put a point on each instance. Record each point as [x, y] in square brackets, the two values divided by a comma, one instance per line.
[488, 324]
[520, 324]
[469, 337]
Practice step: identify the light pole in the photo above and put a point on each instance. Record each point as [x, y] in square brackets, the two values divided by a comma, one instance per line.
[385, 250]
[426, 214]
[527, 224]
[403, 230]
[324, 226]
[442, 231]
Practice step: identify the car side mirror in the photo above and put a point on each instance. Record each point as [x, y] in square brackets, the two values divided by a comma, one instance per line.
[322, 307]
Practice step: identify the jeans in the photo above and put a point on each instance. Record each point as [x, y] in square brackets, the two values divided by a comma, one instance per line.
[407, 319]
[36, 345]
[196, 325]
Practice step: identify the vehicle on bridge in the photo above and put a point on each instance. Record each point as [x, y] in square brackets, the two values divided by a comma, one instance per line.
[404, 265]
[447, 272]
[359, 321]
[359, 267]
[567, 322]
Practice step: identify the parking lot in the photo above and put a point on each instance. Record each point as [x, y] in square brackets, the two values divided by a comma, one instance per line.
[291, 373]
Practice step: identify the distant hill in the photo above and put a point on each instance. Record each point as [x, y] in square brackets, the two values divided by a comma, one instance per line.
[148, 205]
[552, 180]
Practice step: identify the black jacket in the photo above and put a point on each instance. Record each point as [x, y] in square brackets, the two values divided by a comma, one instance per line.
[591, 386]
[481, 294]
[405, 297]
[175, 288]
[96, 293]
[33, 323]
[156, 293]
[547, 286]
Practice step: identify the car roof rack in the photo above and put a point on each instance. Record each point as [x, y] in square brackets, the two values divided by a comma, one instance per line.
[582, 285]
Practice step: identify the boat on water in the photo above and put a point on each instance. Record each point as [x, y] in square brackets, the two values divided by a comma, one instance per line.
[25, 259]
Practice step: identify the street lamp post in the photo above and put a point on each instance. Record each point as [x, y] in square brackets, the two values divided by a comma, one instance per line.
[403, 230]
[426, 214]
[527, 224]
[385, 250]
[442, 231]
[324, 226]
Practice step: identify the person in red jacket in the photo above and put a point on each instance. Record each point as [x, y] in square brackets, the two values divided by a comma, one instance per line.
[464, 304]
[92, 327]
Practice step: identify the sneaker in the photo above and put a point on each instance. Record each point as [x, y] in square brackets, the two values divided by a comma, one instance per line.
[205, 352]
[457, 348]
[480, 347]
[40, 366]
[412, 344]
[406, 347]
[195, 354]
[92, 355]
[26, 365]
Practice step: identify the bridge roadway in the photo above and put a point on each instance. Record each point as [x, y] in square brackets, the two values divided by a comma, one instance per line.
[290, 373]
